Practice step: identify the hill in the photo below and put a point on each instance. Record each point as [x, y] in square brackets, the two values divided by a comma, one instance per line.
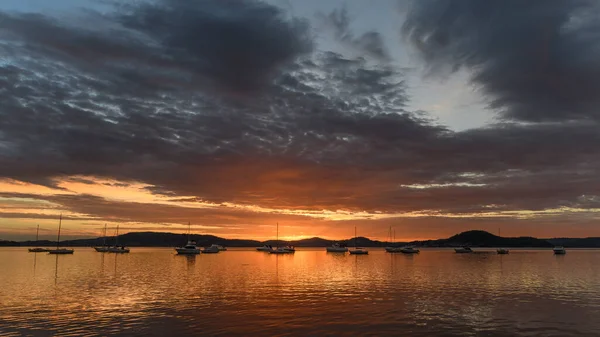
[474, 238]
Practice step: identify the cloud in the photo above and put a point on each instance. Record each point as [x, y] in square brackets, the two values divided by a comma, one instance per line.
[534, 60]
[236, 46]
[368, 44]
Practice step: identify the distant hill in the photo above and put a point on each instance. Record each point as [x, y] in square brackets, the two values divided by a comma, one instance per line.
[478, 238]
[474, 238]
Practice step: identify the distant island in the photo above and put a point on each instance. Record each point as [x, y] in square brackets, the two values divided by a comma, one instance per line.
[474, 238]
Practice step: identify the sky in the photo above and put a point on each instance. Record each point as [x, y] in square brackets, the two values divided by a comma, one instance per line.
[431, 117]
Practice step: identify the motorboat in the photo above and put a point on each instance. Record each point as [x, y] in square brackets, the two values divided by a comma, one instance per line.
[38, 249]
[502, 251]
[59, 250]
[265, 248]
[463, 250]
[212, 249]
[357, 250]
[283, 250]
[559, 250]
[104, 248]
[337, 248]
[409, 250]
[189, 249]
[119, 249]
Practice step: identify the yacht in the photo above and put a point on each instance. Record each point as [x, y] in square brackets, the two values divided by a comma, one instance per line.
[559, 250]
[213, 249]
[463, 250]
[190, 248]
[59, 250]
[104, 247]
[337, 248]
[409, 250]
[502, 251]
[38, 249]
[265, 248]
[358, 250]
[282, 250]
[116, 248]
[391, 248]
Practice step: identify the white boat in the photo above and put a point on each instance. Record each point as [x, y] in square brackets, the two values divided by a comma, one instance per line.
[190, 248]
[358, 250]
[221, 248]
[265, 248]
[104, 248]
[116, 248]
[213, 249]
[559, 250]
[59, 250]
[282, 250]
[392, 248]
[463, 250]
[38, 249]
[337, 248]
[409, 250]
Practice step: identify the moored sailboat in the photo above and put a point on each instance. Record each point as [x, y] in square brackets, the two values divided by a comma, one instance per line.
[59, 250]
[104, 247]
[190, 248]
[282, 250]
[38, 249]
[358, 250]
[119, 249]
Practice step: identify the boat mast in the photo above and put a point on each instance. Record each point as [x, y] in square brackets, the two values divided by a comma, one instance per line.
[104, 236]
[58, 238]
[354, 237]
[37, 234]
[117, 237]
[189, 230]
[277, 235]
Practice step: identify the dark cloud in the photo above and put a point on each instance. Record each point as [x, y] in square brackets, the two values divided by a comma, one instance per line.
[169, 44]
[369, 43]
[535, 60]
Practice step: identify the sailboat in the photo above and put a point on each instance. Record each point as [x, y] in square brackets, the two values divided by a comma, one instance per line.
[116, 248]
[501, 251]
[38, 249]
[407, 249]
[282, 250]
[190, 248]
[358, 250]
[59, 250]
[104, 247]
[391, 248]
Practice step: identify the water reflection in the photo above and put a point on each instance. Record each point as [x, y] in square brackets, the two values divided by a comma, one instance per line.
[309, 293]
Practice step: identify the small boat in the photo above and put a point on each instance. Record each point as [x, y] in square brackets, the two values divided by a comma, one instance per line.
[213, 249]
[190, 248]
[104, 248]
[559, 250]
[409, 250]
[358, 250]
[282, 250]
[463, 250]
[392, 248]
[337, 248]
[221, 248]
[501, 251]
[38, 249]
[59, 250]
[117, 248]
[265, 248]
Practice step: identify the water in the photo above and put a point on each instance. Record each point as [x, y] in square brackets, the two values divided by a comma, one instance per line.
[152, 292]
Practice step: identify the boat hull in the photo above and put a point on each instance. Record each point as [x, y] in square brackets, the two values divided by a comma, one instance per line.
[101, 249]
[409, 251]
[359, 252]
[187, 251]
[392, 249]
[502, 251]
[559, 252]
[60, 251]
[38, 250]
[462, 251]
[336, 250]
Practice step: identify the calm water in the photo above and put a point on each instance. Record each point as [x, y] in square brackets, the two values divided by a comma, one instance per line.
[152, 292]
